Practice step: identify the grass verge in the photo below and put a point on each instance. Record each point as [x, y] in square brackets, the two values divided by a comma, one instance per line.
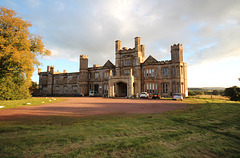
[27, 102]
[209, 128]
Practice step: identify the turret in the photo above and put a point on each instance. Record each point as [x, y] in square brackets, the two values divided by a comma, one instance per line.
[48, 68]
[117, 57]
[39, 71]
[177, 53]
[83, 75]
[83, 62]
[117, 45]
[143, 53]
[137, 43]
[52, 69]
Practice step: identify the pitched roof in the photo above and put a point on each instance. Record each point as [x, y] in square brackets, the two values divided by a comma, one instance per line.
[150, 59]
[108, 64]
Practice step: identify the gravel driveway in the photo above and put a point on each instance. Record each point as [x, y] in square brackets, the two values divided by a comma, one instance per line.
[84, 106]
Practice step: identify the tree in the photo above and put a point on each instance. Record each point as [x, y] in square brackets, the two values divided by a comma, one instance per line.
[19, 50]
[233, 93]
[216, 92]
[34, 85]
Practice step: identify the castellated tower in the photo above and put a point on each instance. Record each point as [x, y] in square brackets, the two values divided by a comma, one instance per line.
[83, 62]
[177, 53]
[118, 57]
[83, 75]
[140, 49]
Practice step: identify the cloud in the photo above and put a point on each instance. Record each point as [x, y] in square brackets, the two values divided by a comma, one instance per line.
[86, 27]
[208, 30]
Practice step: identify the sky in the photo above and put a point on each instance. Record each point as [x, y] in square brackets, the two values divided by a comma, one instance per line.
[208, 29]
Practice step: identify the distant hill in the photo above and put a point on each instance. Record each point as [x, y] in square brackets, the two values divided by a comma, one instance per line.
[214, 88]
[206, 88]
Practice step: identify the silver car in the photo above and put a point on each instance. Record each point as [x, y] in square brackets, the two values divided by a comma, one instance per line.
[92, 94]
[177, 96]
[144, 95]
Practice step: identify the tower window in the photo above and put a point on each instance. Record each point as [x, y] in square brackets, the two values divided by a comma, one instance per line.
[126, 72]
[127, 63]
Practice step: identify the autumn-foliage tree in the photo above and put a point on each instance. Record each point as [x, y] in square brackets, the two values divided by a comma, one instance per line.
[19, 50]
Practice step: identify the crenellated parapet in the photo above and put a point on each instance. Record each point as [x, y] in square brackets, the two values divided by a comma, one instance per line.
[177, 53]
[130, 75]
[176, 46]
[83, 57]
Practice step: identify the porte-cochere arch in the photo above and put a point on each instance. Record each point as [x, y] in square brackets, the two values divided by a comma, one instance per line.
[121, 85]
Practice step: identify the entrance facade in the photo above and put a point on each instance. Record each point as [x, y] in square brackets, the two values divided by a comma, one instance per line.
[121, 86]
[121, 89]
[129, 76]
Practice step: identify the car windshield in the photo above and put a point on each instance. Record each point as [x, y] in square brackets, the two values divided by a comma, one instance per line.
[177, 94]
[143, 93]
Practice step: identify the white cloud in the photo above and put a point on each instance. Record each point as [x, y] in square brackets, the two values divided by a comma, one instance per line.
[57, 55]
[208, 30]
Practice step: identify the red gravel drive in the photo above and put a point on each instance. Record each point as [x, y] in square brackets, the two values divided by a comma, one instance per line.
[85, 106]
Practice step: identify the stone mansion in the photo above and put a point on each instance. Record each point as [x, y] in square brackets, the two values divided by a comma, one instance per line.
[130, 75]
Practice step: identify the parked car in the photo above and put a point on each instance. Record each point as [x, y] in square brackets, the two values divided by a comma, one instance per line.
[80, 95]
[144, 95]
[177, 96]
[155, 96]
[93, 94]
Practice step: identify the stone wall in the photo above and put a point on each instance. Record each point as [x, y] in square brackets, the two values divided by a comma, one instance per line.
[131, 68]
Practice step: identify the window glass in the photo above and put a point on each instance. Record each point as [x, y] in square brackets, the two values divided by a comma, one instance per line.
[127, 63]
[126, 72]
[164, 71]
[165, 88]
[96, 75]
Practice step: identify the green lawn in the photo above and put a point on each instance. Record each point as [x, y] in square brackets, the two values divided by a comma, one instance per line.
[27, 102]
[209, 128]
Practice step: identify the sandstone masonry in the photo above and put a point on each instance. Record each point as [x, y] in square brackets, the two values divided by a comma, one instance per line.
[130, 75]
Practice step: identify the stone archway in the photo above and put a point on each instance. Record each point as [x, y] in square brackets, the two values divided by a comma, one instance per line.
[121, 89]
[125, 83]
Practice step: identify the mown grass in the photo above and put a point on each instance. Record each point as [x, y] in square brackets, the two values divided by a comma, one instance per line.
[209, 128]
[211, 96]
[27, 102]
